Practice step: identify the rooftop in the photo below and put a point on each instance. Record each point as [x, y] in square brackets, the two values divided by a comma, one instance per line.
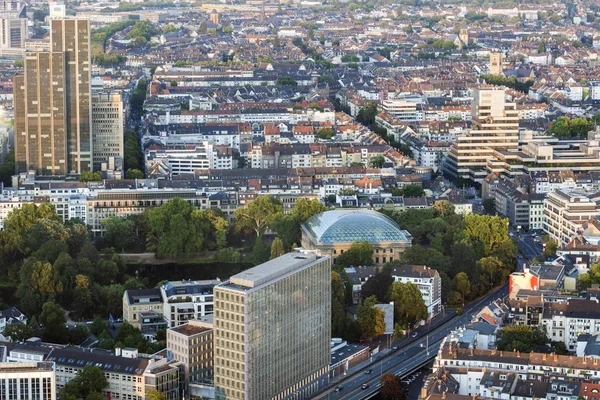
[189, 330]
[348, 226]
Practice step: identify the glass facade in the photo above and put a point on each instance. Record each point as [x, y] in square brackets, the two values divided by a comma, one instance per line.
[272, 341]
[348, 226]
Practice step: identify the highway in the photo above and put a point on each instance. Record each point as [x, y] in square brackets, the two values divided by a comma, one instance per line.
[406, 359]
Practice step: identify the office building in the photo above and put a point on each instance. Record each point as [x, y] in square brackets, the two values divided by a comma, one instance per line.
[185, 300]
[27, 381]
[494, 134]
[565, 213]
[52, 104]
[192, 345]
[13, 25]
[272, 329]
[107, 127]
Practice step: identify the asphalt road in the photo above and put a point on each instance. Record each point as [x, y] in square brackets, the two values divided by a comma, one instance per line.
[529, 247]
[406, 359]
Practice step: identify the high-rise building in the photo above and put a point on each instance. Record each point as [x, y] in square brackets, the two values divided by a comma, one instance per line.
[107, 127]
[494, 134]
[192, 344]
[52, 104]
[13, 25]
[272, 329]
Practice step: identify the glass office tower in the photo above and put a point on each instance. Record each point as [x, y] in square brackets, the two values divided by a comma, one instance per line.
[272, 329]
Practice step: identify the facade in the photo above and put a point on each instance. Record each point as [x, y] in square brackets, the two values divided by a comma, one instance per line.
[139, 308]
[59, 140]
[27, 381]
[494, 132]
[107, 127]
[427, 280]
[192, 345]
[496, 60]
[185, 300]
[272, 329]
[13, 26]
[333, 232]
[565, 213]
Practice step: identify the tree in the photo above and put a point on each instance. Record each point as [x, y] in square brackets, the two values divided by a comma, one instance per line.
[277, 248]
[119, 231]
[463, 285]
[370, 319]
[413, 191]
[89, 380]
[133, 173]
[89, 176]
[488, 206]
[377, 161]
[8, 169]
[258, 214]
[521, 338]
[176, 229]
[367, 114]
[286, 81]
[359, 254]
[154, 394]
[18, 332]
[550, 247]
[325, 133]
[442, 207]
[391, 388]
[79, 334]
[260, 252]
[378, 286]
[53, 320]
[202, 28]
[409, 307]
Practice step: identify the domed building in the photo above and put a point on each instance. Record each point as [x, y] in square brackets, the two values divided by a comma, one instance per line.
[333, 232]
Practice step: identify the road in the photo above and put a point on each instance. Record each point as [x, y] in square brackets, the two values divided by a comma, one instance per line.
[529, 247]
[406, 359]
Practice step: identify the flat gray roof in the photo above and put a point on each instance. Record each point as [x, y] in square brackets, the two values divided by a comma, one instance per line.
[273, 269]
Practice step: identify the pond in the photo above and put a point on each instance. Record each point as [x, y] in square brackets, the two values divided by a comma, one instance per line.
[176, 271]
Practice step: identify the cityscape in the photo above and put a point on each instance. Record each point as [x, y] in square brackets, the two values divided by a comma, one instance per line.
[299, 199]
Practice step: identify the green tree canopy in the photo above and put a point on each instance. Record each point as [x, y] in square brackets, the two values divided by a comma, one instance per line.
[53, 320]
[119, 231]
[258, 214]
[359, 254]
[370, 319]
[409, 307]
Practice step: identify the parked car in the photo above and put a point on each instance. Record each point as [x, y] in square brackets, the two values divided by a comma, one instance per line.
[368, 371]
[338, 388]
[364, 386]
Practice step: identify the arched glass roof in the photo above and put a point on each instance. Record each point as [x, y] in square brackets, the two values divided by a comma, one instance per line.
[344, 226]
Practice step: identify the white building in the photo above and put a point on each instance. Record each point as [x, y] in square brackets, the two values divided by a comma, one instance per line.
[427, 280]
[27, 381]
[566, 211]
[186, 299]
[107, 127]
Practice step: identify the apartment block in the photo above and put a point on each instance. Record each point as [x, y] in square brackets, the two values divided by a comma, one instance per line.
[272, 329]
[427, 280]
[107, 127]
[143, 308]
[186, 300]
[565, 212]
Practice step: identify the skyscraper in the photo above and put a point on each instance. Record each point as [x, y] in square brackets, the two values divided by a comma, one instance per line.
[493, 136]
[13, 25]
[107, 127]
[272, 329]
[52, 101]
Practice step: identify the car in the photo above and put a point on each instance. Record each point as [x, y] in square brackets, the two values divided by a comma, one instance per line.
[422, 345]
[364, 386]
[368, 371]
[338, 388]
[394, 347]
[414, 334]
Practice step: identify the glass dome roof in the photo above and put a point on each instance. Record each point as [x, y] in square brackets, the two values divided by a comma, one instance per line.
[346, 226]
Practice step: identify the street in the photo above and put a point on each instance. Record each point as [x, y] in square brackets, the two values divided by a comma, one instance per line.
[406, 359]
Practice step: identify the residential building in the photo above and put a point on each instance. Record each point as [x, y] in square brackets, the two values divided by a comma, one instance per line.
[565, 213]
[11, 316]
[401, 110]
[192, 344]
[427, 280]
[59, 140]
[333, 232]
[272, 329]
[494, 131]
[139, 308]
[185, 300]
[107, 127]
[27, 380]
